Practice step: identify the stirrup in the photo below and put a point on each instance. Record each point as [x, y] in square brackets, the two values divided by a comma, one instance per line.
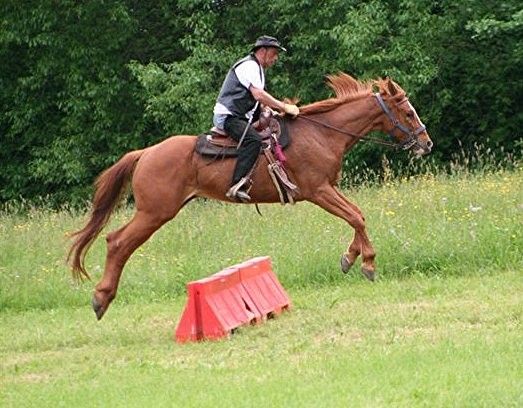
[235, 192]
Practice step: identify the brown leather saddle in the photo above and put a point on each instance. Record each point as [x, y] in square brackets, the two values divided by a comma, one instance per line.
[218, 144]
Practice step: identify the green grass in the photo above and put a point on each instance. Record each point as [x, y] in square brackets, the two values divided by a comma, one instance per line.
[414, 342]
[440, 327]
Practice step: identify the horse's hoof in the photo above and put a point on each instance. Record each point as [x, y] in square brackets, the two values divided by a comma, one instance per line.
[345, 264]
[98, 309]
[369, 274]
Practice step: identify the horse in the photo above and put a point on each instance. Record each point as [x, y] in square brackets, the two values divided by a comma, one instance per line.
[166, 176]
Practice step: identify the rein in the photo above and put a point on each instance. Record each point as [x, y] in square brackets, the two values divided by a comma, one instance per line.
[354, 135]
[407, 144]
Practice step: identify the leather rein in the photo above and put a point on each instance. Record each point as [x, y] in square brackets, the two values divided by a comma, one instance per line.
[406, 144]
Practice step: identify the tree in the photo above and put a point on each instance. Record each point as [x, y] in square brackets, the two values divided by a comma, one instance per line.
[84, 82]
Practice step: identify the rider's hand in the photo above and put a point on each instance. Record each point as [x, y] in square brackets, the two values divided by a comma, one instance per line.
[292, 110]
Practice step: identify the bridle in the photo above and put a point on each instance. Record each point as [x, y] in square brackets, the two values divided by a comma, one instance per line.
[405, 144]
[411, 139]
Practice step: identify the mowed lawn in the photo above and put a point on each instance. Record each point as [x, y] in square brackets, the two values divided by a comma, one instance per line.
[440, 327]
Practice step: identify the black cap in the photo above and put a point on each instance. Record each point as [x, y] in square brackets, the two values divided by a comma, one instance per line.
[267, 41]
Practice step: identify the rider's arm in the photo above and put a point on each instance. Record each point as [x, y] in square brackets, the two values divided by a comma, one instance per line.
[268, 100]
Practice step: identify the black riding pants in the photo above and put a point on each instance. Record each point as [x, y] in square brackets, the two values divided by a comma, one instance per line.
[250, 148]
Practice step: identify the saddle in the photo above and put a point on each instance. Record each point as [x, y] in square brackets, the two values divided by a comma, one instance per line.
[217, 144]
[275, 137]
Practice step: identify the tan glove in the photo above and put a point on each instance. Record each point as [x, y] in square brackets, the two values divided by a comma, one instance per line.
[292, 110]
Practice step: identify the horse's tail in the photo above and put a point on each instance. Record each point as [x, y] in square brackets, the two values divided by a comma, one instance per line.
[109, 188]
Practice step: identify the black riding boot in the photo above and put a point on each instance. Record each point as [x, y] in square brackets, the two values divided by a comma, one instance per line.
[247, 154]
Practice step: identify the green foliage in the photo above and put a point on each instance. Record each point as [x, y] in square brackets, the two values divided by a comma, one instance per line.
[84, 82]
[62, 93]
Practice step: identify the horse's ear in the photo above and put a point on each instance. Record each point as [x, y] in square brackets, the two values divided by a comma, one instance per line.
[391, 86]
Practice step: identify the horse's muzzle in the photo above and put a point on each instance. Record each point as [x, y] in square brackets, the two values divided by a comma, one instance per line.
[421, 148]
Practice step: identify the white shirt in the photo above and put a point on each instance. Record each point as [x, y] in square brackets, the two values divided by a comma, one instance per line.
[248, 73]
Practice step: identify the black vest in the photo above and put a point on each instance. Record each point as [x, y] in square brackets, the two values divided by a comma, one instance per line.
[233, 95]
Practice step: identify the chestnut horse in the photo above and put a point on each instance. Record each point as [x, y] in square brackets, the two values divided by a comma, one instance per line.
[168, 175]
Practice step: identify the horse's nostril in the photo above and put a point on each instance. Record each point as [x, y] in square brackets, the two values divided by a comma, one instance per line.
[429, 144]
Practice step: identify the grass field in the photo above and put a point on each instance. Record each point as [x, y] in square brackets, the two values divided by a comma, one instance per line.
[440, 327]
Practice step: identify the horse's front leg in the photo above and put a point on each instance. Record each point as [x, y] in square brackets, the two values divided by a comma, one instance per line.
[354, 249]
[330, 199]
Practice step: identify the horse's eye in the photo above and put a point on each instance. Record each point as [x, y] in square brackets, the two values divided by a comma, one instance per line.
[410, 115]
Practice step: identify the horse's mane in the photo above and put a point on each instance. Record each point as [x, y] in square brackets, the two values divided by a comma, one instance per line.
[346, 89]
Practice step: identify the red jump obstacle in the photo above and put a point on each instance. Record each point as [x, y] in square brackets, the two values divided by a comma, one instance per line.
[245, 293]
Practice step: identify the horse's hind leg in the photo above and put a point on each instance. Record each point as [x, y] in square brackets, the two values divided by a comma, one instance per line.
[330, 199]
[353, 251]
[120, 246]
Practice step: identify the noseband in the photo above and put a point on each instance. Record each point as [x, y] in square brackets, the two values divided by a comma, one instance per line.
[411, 139]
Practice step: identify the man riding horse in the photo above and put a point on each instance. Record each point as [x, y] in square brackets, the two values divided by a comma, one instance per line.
[167, 176]
[238, 104]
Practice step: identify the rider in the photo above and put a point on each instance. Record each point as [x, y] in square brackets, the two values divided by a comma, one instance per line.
[238, 102]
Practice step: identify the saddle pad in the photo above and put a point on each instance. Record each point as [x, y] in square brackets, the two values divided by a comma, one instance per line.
[206, 148]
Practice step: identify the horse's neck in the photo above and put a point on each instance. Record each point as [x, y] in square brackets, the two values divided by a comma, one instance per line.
[357, 117]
